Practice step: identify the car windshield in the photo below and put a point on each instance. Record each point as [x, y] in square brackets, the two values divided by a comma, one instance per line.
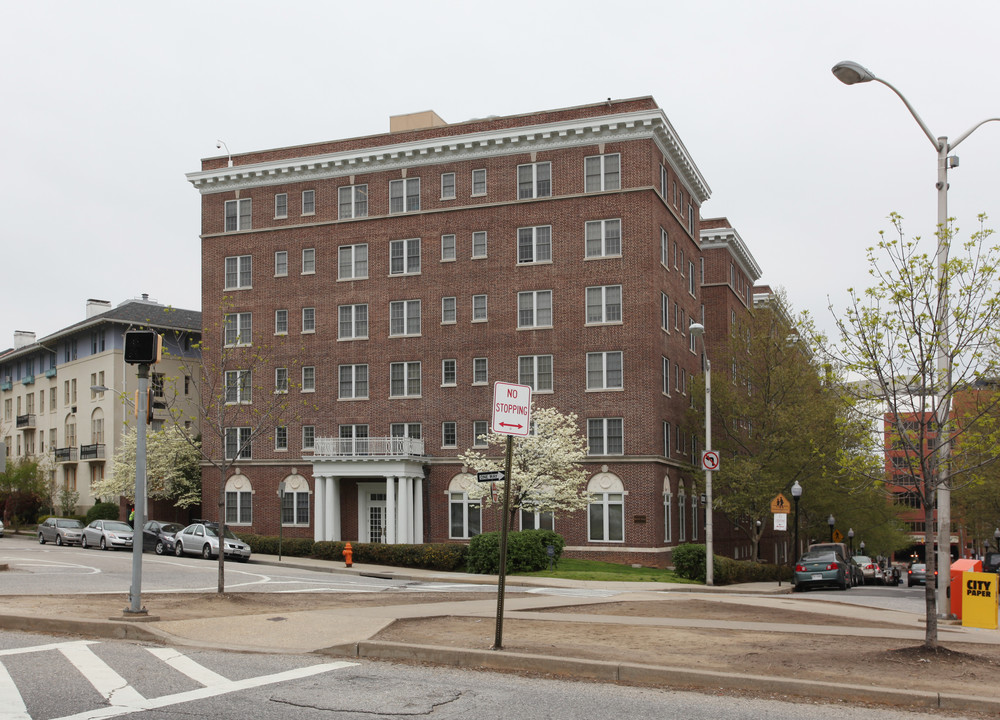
[171, 527]
[820, 556]
[862, 559]
[118, 526]
[68, 523]
[214, 532]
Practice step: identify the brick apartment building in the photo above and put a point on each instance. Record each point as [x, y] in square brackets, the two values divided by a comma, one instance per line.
[558, 249]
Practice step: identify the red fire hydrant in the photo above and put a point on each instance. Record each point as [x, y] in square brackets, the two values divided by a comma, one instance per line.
[348, 554]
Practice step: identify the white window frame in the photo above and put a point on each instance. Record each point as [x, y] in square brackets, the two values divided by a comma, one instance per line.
[238, 439]
[668, 525]
[665, 312]
[531, 297]
[349, 258]
[476, 182]
[308, 437]
[280, 380]
[238, 388]
[607, 503]
[480, 311]
[446, 427]
[352, 382]
[664, 249]
[309, 261]
[601, 373]
[449, 372]
[241, 503]
[480, 371]
[597, 232]
[241, 272]
[308, 202]
[354, 322]
[536, 373]
[403, 314]
[297, 503]
[356, 204]
[597, 296]
[448, 181]
[406, 263]
[665, 368]
[280, 322]
[401, 195]
[605, 425]
[603, 174]
[480, 428]
[241, 215]
[530, 185]
[449, 310]
[480, 244]
[533, 246]
[308, 320]
[681, 515]
[410, 375]
[468, 508]
[308, 379]
[281, 263]
[449, 248]
[280, 206]
[281, 438]
[236, 325]
[414, 431]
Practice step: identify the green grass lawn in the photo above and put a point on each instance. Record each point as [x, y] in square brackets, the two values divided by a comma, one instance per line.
[573, 569]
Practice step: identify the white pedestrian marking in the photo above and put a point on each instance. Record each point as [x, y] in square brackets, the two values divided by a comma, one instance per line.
[12, 707]
[45, 648]
[182, 663]
[105, 680]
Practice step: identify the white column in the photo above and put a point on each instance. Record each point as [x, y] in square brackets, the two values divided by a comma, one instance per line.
[319, 508]
[406, 510]
[332, 512]
[335, 508]
[390, 510]
[418, 509]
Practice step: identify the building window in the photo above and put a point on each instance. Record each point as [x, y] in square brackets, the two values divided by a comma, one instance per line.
[238, 214]
[295, 507]
[666, 375]
[537, 520]
[534, 181]
[308, 261]
[681, 519]
[238, 443]
[606, 517]
[447, 248]
[352, 262]
[308, 437]
[479, 182]
[281, 380]
[666, 439]
[690, 218]
[664, 312]
[602, 172]
[534, 244]
[664, 245]
[404, 195]
[480, 430]
[466, 516]
[238, 272]
[604, 436]
[239, 507]
[308, 320]
[409, 430]
[238, 329]
[691, 279]
[479, 308]
[694, 515]
[353, 322]
[604, 238]
[308, 202]
[535, 371]
[480, 371]
[448, 186]
[281, 438]
[404, 256]
[309, 379]
[238, 387]
[668, 530]
[280, 206]
[663, 183]
[404, 379]
[604, 304]
[534, 309]
[404, 317]
[352, 201]
[280, 322]
[479, 244]
[449, 435]
[448, 310]
[353, 382]
[449, 373]
[281, 263]
[604, 371]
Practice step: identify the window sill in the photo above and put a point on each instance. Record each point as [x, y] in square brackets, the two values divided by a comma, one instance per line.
[449, 259]
[307, 391]
[280, 217]
[281, 274]
[449, 447]
[596, 390]
[405, 335]
[479, 257]
[618, 256]
[534, 262]
[351, 339]
[240, 287]
[349, 279]
[443, 198]
[603, 324]
[480, 320]
[280, 449]
[480, 384]
[406, 397]
[404, 274]
[308, 272]
[482, 194]
[449, 384]
[308, 332]
[535, 327]
[308, 214]
[352, 399]
[281, 334]
[449, 322]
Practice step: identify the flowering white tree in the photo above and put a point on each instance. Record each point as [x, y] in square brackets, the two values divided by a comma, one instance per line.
[547, 474]
[173, 468]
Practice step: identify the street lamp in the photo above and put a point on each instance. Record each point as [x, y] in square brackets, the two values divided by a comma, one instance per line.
[796, 494]
[698, 330]
[850, 73]
[850, 537]
[862, 547]
[831, 521]
[996, 538]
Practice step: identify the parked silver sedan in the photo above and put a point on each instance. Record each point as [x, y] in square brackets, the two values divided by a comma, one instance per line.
[202, 538]
[107, 534]
[61, 531]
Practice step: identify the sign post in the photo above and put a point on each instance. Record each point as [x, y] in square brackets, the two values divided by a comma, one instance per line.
[511, 416]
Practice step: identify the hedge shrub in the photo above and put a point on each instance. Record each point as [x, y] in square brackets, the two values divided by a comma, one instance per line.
[102, 511]
[526, 551]
[689, 562]
[440, 556]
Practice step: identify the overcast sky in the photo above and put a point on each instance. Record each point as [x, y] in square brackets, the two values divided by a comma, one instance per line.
[106, 105]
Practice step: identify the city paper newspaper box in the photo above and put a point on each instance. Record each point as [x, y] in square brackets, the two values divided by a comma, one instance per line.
[955, 591]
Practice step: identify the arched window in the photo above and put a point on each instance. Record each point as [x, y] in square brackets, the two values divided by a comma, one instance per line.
[668, 498]
[295, 501]
[466, 518]
[681, 515]
[70, 428]
[239, 500]
[97, 426]
[606, 512]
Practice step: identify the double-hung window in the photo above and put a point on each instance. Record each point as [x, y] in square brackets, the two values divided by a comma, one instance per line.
[604, 436]
[238, 443]
[480, 431]
[448, 310]
[239, 272]
[308, 320]
[465, 515]
[308, 261]
[664, 184]
[666, 375]
[295, 508]
[449, 373]
[308, 202]
[280, 206]
[604, 238]
[664, 252]
[281, 380]
[604, 371]
[447, 248]
[404, 195]
[606, 517]
[479, 182]
[352, 201]
[404, 256]
[691, 279]
[479, 244]
[308, 437]
[413, 431]
[534, 309]
[353, 322]
[535, 371]
[404, 317]
[449, 434]
[281, 263]
[281, 437]
[238, 384]
[480, 371]
[352, 262]
[238, 214]
[308, 379]
[604, 304]
[239, 507]
[602, 172]
[448, 186]
[534, 244]
[353, 382]
[534, 180]
[404, 379]
[238, 329]
[280, 322]
[479, 308]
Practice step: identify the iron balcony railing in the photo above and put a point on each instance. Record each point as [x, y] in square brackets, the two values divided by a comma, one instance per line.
[66, 454]
[92, 452]
[25, 421]
[373, 447]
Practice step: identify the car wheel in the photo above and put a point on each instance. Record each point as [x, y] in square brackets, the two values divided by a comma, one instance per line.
[41, 539]
[59, 540]
[104, 544]
[842, 585]
[206, 552]
[178, 550]
[159, 549]
[83, 542]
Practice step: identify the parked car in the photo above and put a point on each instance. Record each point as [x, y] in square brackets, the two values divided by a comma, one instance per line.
[202, 538]
[1, 528]
[61, 531]
[107, 534]
[857, 576]
[158, 536]
[822, 568]
[870, 569]
[917, 575]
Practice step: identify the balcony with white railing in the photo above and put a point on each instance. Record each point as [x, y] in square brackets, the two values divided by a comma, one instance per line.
[372, 448]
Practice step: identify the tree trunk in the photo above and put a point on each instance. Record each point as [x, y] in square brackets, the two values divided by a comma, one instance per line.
[930, 591]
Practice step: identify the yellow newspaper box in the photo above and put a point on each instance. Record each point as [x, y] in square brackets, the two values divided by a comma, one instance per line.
[979, 600]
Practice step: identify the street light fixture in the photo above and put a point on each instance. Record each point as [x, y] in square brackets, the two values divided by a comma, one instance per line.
[862, 547]
[796, 495]
[850, 73]
[850, 537]
[831, 521]
[698, 330]
[996, 538]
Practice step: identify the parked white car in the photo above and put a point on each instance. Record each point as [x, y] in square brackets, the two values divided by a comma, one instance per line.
[107, 534]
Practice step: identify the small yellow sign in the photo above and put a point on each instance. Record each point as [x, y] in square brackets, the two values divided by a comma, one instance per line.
[979, 600]
[838, 536]
[780, 504]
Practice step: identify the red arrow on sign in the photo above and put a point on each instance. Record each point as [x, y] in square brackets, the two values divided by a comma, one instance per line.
[519, 426]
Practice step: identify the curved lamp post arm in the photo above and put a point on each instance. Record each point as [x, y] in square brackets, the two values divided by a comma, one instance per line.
[970, 131]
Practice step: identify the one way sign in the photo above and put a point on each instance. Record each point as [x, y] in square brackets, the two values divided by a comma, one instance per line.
[511, 409]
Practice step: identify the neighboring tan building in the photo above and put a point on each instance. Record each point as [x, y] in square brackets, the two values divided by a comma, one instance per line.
[559, 249]
[50, 409]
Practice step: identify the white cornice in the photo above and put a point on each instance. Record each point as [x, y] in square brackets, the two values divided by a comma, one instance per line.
[647, 124]
[714, 238]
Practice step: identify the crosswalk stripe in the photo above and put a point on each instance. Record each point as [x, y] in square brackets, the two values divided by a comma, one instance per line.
[182, 663]
[12, 705]
[45, 648]
[105, 680]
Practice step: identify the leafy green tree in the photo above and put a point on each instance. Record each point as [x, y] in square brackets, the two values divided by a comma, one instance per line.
[23, 490]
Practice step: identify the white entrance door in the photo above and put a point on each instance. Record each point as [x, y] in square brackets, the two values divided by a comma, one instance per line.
[376, 517]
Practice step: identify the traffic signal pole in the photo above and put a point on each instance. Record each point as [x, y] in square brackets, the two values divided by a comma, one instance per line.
[139, 520]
